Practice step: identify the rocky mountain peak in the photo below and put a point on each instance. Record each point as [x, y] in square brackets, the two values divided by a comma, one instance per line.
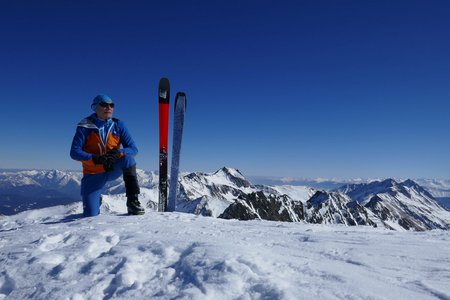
[233, 175]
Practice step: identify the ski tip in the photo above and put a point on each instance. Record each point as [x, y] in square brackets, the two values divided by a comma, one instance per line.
[164, 81]
[182, 96]
[164, 90]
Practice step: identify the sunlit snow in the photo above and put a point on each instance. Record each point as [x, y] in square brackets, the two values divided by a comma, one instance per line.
[53, 253]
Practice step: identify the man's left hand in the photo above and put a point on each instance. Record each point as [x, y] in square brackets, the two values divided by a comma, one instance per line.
[111, 159]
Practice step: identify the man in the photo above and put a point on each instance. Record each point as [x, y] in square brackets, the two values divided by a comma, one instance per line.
[96, 144]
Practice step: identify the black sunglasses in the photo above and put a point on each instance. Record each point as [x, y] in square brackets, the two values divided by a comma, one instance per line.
[105, 104]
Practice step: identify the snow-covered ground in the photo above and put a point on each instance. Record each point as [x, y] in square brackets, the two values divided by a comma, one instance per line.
[52, 253]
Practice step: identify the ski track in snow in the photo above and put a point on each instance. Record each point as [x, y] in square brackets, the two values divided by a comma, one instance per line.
[54, 254]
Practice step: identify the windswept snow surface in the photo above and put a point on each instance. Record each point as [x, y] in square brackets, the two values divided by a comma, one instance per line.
[53, 253]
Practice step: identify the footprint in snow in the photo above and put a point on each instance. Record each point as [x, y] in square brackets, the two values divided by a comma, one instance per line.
[101, 243]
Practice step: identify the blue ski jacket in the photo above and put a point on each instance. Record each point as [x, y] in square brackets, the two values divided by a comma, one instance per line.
[95, 136]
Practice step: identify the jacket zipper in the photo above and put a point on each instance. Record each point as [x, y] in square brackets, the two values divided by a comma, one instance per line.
[100, 148]
[106, 139]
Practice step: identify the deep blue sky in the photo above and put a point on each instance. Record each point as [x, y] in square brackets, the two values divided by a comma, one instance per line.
[278, 88]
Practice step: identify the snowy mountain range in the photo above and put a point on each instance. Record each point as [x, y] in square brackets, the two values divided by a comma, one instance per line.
[439, 188]
[226, 193]
[24, 190]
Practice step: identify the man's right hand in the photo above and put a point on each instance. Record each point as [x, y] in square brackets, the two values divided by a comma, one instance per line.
[105, 160]
[99, 159]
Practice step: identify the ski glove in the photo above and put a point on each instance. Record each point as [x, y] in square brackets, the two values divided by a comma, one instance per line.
[99, 159]
[107, 160]
[113, 155]
[111, 159]
[108, 166]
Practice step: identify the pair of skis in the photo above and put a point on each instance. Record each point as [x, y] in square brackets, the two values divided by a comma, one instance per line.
[178, 122]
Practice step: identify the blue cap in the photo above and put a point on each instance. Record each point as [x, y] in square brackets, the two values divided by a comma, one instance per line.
[98, 99]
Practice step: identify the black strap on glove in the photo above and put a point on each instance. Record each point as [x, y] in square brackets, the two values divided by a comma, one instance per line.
[108, 160]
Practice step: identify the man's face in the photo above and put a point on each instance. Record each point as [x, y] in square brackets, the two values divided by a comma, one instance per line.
[105, 110]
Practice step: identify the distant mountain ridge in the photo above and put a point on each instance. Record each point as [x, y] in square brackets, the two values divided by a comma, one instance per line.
[31, 189]
[439, 188]
[226, 193]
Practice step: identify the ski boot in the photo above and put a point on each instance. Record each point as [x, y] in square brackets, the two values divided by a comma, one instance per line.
[132, 191]
[134, 206]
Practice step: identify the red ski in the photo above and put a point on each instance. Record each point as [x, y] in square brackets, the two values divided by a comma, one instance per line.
[164, 96]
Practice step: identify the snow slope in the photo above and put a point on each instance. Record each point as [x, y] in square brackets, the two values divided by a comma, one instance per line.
[52, 253]
[299, 193]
